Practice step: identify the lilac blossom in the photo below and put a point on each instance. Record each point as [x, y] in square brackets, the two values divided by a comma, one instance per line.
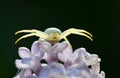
[75, 63]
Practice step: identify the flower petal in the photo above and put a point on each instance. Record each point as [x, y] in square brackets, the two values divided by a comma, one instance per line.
[102, 74]
[77, 69]
[20, 74]
[47, 58]
[60, 47]
[22, 65]
[44, 72]
[57, 70]
[67, 51]
[26, 61]
[62, 57]
[33, 63]
[47, 47]
[24, 52]
[35, 48]
[52, 71]
[95, 76]
[91, 59]
[95, 69]
[85, 53]
[66, 54]
[31, 77]
[77, 57]
[23, 73]
[27, 72]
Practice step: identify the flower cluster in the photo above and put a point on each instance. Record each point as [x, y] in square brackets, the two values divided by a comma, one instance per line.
[61, 62]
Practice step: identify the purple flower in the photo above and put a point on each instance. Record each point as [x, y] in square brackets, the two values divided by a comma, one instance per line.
[30, 60]
[75, 63]
[25, 73]
[54, 70]
[51, 52]
[69, 57]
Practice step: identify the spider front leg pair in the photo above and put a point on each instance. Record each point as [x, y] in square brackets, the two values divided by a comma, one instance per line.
[75, 31]
[32, 33]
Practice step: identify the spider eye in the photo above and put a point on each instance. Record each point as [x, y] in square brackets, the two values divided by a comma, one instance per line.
[52, 29]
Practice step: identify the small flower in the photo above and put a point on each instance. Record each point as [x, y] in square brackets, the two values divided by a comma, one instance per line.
[54, 70]
[30, 60]
[23, 73]
[69, 57]
[95, 71]
[80, 70]
[51, 52]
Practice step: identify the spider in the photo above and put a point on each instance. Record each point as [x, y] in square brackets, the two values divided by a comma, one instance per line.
[53, 34]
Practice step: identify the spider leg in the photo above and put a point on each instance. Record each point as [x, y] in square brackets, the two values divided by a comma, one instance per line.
[24, 31]
[76, 31]
[67, 41]
[42, 34]
[73, 31]
[82, 34]
[83, 31]
[66, 33]
[25, 36]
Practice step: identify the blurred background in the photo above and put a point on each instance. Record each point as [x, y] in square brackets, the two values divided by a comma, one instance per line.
[100, 17]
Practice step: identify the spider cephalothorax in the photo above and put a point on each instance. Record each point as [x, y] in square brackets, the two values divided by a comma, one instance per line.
[53, 34]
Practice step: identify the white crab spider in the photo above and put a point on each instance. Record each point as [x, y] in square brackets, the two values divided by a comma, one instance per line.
[53, 34]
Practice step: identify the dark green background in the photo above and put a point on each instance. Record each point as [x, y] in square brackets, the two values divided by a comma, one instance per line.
[100, 17]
